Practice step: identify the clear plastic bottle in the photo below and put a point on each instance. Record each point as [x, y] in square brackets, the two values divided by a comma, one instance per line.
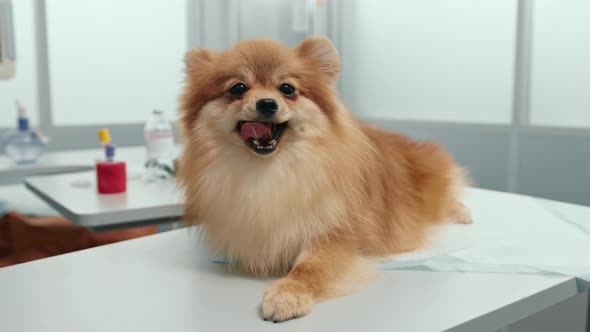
[159, 142]
[23, 145]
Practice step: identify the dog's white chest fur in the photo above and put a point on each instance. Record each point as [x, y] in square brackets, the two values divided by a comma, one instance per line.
[263, 213]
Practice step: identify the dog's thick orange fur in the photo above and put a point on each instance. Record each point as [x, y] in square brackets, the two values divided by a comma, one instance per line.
[334, 192]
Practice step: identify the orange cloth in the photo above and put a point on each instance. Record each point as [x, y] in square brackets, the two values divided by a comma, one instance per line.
[25, 238]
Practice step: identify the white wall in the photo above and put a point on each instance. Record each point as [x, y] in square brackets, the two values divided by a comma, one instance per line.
[431, 60]
[24, 84]
[227, 21]
[560, 81]
[284, 20]
[114, 61]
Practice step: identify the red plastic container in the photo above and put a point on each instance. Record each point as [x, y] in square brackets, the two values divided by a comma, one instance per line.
[111, 177]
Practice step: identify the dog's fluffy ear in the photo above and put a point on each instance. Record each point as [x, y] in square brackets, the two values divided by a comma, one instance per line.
[197, 58]
[322, 52]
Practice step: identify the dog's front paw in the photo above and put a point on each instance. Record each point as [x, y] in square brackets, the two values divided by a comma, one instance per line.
[286, 299]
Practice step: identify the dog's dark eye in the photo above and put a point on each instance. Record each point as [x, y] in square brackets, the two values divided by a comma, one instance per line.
[238, 89]
[287, 89]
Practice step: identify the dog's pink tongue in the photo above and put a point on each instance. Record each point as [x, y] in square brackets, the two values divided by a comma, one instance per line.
[256, 130]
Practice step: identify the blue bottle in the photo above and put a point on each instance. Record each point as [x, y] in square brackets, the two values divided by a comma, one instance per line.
[23, 145]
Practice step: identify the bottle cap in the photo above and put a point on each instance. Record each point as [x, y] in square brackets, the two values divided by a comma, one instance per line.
[104, 136]
[110, 152]
[23, 123]
[23, 120]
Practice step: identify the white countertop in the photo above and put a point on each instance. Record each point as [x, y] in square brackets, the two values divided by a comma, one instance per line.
[144, 201]
[53, 162]
[166, 283]
[49, 162]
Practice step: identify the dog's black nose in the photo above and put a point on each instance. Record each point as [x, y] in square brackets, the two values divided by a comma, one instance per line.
[267, 107]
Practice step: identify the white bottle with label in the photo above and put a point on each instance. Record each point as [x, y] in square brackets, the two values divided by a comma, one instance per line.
[159, 142]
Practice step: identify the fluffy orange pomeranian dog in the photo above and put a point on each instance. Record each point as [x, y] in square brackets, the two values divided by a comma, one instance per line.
[285, 181]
